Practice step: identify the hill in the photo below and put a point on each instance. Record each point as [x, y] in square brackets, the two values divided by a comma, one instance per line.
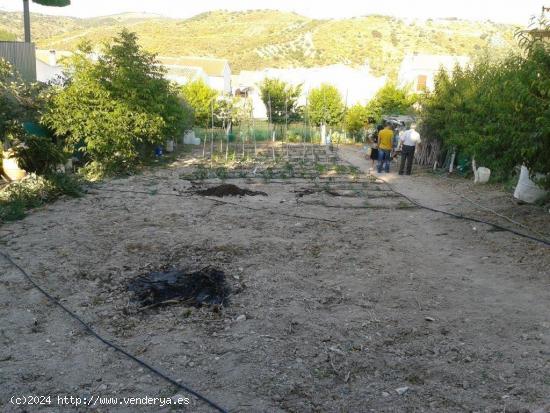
[265, 38]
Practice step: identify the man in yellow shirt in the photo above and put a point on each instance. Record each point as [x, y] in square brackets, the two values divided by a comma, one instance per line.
[385, 146]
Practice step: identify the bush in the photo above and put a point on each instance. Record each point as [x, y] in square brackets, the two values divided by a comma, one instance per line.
[202, 99]
[39, 155]
[17, 197]
[497, 112]
[116, 109]
[19, 101]
[355, 120]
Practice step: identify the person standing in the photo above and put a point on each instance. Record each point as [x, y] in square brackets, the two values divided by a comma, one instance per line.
[409, 139]
[374, 145]
[385, 146]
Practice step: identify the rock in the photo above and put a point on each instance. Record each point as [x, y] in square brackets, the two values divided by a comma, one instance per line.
[103, 387]
[385, 394]
[240, 318]
[430, 319]
[402, 390]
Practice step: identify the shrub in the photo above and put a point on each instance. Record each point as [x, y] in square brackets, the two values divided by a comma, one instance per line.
[497, 112]
[39, 155]
[355, 120]
[117, 108]
[202, 99]
[17, 197]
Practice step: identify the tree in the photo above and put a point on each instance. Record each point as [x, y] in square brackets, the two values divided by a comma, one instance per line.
[391, 100]
[201, 98]
[281, 100]
[355, 120]
[27, 15]
[117, 108]
[496, 111]
[325, 105]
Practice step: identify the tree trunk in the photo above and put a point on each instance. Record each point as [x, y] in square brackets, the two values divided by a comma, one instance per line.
[323, 134]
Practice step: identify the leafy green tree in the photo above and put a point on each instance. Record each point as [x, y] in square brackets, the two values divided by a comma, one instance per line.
[117, 108]
[497, 112]
[355, 120]
[391, 100]
[325, 105]
[281, 100]
[202, 99]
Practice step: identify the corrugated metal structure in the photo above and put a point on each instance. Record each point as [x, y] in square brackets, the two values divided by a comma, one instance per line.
[22, 56]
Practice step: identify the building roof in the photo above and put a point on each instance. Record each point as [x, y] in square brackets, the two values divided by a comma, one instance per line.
[184, 74]
[210, 65]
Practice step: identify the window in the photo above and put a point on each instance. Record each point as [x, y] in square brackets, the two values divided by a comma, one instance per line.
[421, 81]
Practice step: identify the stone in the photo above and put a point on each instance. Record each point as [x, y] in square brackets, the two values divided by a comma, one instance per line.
[402, 390]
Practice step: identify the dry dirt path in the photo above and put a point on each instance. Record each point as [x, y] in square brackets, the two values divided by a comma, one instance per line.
[339, 313]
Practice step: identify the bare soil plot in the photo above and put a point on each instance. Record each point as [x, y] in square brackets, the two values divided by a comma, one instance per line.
[344, 297]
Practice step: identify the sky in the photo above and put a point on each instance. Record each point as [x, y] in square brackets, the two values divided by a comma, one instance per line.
[503, 11]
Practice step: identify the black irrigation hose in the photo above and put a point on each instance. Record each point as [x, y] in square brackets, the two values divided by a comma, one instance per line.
[412, 201]
[109, 343]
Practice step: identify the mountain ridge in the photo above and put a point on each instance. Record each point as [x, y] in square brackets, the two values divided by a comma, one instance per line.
[256, 39]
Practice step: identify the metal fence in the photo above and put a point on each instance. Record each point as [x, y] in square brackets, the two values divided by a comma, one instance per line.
[22, 56]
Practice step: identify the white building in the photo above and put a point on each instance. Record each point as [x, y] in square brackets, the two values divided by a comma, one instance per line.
[418, 71]
[355, 85]
[185, 74]
[215, 72]
[48, 68]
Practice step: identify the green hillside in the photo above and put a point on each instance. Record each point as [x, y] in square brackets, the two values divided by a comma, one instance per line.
[264, 38]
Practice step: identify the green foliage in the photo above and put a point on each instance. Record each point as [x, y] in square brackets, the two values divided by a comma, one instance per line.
[391, 100]
[38, 155]
[281, 100]
[497, 112]
[325, 105]
[17, 197]
[202, 99]
[18, 100]
[355, 120]
[117, 108]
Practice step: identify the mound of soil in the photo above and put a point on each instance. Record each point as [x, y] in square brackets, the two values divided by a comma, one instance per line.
[206, 286]
[228, 190]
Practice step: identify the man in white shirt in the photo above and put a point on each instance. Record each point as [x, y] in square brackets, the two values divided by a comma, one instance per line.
[409, 139]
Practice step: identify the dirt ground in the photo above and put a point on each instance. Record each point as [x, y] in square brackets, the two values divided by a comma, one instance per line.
[353, 300]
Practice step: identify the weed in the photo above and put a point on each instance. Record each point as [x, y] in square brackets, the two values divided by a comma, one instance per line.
[320, 168]
[288, 168]
[201, 172]
[340, 169]
[267, 174]
[18, 197]
[221, 172]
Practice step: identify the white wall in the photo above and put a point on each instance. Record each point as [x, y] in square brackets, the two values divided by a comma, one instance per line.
[426, 65]
[357, 84]
[46, 73]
